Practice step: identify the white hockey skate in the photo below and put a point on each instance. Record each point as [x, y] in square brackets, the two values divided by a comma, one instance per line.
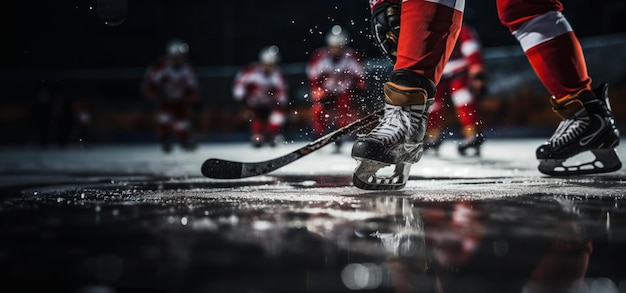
[398, 138]
[588, 125]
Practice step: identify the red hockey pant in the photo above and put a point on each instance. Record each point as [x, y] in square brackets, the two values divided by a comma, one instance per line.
[267, 121]
[429, 30]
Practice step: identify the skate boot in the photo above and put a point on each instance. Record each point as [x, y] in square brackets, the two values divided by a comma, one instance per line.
[398, 138]
[588, 125]
[257, 140]
[473, 140]
[189, 145]
[272, 142]
[166, 145]
[338, 145]
[276, 140]
[433, 140]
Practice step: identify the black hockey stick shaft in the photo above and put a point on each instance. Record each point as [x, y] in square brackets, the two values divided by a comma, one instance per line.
[225, 169]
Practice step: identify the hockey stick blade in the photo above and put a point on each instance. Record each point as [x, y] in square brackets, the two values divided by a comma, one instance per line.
[225, 169]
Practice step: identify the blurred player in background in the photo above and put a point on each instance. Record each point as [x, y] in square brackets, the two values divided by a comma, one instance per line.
[42, 116]
[83, 118]
[172, 82]
[463, 81]
[63, 119]
[262, 89]
[336, 76]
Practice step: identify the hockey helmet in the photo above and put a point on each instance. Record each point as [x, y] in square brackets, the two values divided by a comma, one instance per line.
[177, 47]
[270, 54]
[337, 36]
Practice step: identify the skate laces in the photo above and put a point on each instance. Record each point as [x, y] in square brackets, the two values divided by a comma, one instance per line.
[569, 129]
[396, 123]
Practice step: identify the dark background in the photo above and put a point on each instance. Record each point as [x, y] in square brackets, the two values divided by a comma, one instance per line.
[66, 48]
[68, 34]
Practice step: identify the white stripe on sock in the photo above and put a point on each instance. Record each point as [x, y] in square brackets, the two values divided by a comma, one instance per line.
[456, 4]
[542, 29]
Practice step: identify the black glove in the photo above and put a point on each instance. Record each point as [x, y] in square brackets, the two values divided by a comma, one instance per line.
[386, 27]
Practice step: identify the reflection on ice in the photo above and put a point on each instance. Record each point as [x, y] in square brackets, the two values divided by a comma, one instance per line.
[359, 276]
[460, 225]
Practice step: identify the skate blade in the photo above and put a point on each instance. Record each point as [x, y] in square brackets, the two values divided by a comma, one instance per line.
[606, 160]
[365, 175]
[471, 151]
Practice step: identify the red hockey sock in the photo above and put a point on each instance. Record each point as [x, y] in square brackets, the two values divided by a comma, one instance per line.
[319, 120]
[560, 65]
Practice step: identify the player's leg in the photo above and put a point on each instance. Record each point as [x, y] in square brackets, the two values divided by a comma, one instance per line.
[557, 57]
[275, 124]
[181, 131]
[465, 106]
[257, 127]
[164, 126]
[182, 126]
[320, 125]
[429, 30]
[434, 131]
[346, 114]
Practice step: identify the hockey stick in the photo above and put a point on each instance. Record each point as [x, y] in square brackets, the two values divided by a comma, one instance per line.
[225, 169]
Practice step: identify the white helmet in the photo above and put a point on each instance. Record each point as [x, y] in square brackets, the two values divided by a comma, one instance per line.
[177, 47]
[337, 36]
[269, 54]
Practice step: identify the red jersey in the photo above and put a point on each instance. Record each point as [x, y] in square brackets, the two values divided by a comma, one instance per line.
[260, 88]
[329, 75]
[174, 83]
[467, 52]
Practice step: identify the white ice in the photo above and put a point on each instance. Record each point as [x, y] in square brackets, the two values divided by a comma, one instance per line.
[507, 164]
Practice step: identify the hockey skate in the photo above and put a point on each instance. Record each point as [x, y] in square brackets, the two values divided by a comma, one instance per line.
[257, 140]
[189, 145]
[473, 141]
[276, 140]
[433, 141]
[166, 145]
[588, 125]
[398, 138]
[338, 145]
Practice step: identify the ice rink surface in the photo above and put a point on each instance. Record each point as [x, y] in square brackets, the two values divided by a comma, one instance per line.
[129, 218]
